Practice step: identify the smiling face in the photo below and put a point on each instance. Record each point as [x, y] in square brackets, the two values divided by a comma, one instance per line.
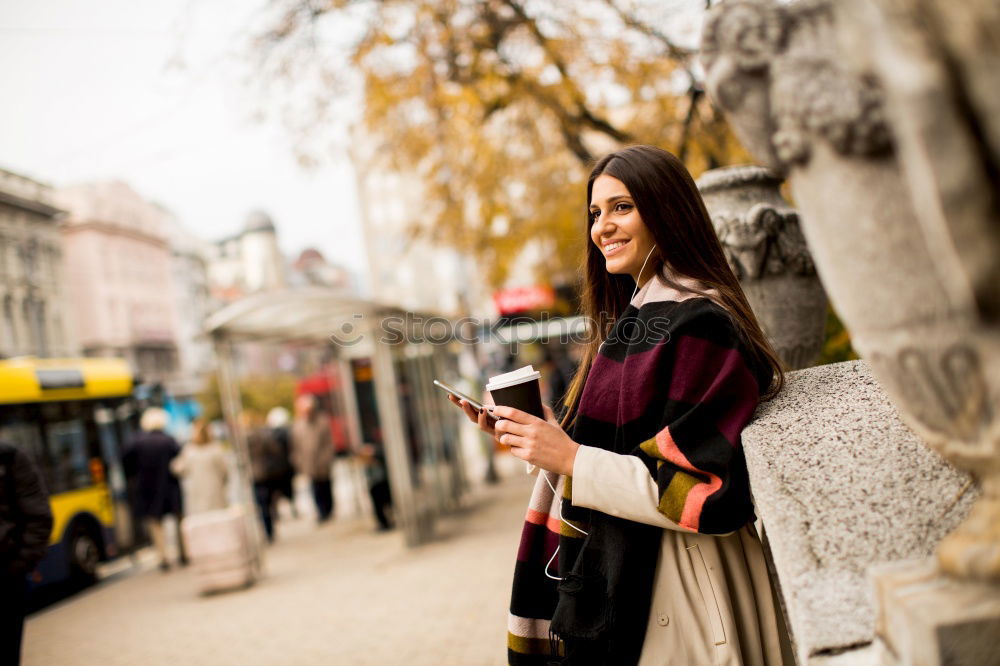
[617, 230]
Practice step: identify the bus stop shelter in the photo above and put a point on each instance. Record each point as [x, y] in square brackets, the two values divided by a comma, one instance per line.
[414, 424]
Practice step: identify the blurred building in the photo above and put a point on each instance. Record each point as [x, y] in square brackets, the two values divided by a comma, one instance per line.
[193, 303]
[32, 298]
[311, 269]
[119, 277]
[247, 262]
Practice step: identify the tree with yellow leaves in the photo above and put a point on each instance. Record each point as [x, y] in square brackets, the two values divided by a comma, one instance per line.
[500, 106]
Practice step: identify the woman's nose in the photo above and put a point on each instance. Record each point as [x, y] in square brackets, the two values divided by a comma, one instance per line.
[602, 227]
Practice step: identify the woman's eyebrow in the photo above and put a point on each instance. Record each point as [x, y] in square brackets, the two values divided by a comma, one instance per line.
[613, 199]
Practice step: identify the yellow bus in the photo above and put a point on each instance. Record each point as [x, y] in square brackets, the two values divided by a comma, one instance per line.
[72, 416]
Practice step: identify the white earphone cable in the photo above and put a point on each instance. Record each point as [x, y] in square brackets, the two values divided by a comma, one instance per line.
[638, 277]
[559, 505]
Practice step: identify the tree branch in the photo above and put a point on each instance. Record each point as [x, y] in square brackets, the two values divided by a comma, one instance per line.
[694, 94]
[676, 52]
[583, 114]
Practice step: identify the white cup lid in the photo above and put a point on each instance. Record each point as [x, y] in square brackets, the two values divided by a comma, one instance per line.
[519, 376]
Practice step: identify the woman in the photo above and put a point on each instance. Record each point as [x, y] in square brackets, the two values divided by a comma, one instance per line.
[312, 452]
[639, 545]
[204, 467]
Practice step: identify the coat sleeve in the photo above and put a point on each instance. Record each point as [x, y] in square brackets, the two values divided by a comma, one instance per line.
[618, 485]
[35, 515]
[691, 474]
[326, 452]
[296, 444]
[175, 448]
[179, 464]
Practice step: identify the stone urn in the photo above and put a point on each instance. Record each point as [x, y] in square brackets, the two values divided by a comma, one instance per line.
[760, 235]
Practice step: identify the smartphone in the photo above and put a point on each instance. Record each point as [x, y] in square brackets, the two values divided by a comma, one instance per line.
[458, 394]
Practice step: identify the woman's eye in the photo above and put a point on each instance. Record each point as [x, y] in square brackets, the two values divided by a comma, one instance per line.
[594, 215]
[623, 207]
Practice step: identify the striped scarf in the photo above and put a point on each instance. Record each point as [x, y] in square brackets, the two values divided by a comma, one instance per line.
[674, 386]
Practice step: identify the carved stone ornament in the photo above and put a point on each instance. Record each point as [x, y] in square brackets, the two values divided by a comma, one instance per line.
[806, 97]
[907, 248]
[762, 240]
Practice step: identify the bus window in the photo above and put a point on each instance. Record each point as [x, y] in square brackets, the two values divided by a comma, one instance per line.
[19, 427]
[67, 448]
[128, 423]
[110, 448]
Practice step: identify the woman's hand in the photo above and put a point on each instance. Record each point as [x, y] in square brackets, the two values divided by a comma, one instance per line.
[480, 418]
[540, 442]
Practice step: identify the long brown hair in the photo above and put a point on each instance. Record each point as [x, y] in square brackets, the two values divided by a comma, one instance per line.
[671, 207]
[200, 431]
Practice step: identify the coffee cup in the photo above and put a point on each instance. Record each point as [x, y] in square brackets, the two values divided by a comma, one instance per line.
[519, 389]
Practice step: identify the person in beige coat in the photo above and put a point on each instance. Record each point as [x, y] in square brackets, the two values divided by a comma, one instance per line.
[639, 544]
[204, 469]
[312, 452]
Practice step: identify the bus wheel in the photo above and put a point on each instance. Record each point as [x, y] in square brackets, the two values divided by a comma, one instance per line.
[84, 555]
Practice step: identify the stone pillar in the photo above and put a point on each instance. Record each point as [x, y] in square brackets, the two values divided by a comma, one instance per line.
[760, 235]
[926, 618]
[884, 117]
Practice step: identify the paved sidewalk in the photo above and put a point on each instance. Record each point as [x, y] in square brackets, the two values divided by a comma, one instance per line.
[339, 594]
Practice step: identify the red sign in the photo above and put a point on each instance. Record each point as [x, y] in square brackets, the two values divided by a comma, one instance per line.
[523, 299]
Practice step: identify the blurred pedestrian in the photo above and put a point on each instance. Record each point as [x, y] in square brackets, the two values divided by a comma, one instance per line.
[266, 466]
[278, 420]
[204, 466]
[25, 524]
[312, 452]
[147, 461]
[377, 476]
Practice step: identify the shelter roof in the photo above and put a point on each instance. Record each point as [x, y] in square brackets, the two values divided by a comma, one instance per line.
[303, 314]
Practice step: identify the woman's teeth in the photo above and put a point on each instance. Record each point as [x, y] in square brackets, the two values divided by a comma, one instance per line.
[608, 249]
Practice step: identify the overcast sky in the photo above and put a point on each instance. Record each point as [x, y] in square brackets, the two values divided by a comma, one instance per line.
[155, 94]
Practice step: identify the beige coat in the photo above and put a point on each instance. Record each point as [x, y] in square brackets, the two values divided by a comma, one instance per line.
[312, 447]
[712, 599]
[204, 470]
